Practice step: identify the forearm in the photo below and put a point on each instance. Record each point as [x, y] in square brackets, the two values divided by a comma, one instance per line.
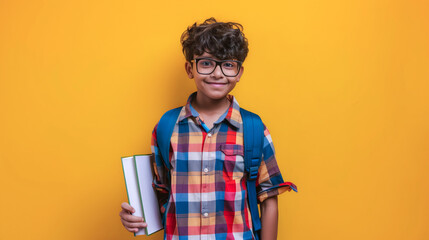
[269, 218]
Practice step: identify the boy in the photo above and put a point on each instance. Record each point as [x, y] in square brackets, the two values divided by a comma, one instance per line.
[206, 197]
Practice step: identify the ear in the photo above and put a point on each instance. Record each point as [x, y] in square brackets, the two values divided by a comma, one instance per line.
[188, 69]
[237, 78]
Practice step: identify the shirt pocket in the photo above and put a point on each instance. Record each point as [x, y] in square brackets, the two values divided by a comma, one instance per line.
[233, 164]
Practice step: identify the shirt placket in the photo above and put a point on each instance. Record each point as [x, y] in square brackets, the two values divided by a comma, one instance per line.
[207, 175]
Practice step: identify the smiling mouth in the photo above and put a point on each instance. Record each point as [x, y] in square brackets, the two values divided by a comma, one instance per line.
[216, 83]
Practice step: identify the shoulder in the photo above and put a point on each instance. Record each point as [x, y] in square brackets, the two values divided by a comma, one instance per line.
[167, 120]
[169, 116]
[171, 113]
[248, 116]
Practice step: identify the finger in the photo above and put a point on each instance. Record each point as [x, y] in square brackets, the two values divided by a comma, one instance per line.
[134, 224]
[127, 207]
[132, 229]
[130, 218]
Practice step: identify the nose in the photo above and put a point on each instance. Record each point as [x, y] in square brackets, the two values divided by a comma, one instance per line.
[217, 73]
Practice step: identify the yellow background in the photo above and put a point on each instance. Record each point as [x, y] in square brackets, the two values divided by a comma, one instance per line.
[343, 87]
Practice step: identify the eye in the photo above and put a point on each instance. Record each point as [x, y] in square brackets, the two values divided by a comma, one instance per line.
[229, 64]
[205, 63]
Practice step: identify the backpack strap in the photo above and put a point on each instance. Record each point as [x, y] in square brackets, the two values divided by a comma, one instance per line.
[253, 134]
[163, 134]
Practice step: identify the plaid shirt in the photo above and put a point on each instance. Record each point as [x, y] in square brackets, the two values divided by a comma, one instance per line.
[207, 196]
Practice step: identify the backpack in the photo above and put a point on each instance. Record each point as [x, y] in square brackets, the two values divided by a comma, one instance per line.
[253, 133]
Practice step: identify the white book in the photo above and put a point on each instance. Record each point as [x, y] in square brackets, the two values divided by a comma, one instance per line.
[141, 195]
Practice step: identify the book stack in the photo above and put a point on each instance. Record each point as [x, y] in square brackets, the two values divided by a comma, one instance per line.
[141, 195]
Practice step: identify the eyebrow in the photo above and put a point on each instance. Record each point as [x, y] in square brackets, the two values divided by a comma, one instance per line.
[217, 60]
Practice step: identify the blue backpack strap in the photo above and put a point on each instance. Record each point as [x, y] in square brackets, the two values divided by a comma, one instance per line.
[163, 134]
[253, 134]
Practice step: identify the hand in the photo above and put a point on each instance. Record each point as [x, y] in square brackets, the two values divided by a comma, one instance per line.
[130, 222]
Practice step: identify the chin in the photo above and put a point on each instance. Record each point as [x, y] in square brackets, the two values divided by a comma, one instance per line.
[217, 96]
[214, 97]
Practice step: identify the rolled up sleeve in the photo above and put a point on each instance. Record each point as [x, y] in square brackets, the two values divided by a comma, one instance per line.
[270, 181]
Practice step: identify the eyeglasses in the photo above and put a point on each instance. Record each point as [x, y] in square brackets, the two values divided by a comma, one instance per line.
[206, 66]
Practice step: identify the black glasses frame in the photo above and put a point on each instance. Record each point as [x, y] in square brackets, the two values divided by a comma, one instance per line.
[218, 63]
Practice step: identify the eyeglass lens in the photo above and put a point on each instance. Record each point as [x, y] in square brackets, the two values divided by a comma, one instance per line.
[207, 66]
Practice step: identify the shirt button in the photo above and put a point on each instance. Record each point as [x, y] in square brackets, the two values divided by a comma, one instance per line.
[205, 214]
[206, 169]
[209, 135]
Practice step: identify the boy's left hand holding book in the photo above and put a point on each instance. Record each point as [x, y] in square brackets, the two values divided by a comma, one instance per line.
[130, 222]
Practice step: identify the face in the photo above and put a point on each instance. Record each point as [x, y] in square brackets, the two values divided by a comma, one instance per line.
[215, 86]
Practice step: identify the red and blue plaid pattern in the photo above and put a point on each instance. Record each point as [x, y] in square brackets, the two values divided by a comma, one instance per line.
[207, 194]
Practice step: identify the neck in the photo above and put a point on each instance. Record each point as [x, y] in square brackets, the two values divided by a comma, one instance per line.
[210, 106]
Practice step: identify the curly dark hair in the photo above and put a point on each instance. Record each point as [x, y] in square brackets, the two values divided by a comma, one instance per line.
[223, 40]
